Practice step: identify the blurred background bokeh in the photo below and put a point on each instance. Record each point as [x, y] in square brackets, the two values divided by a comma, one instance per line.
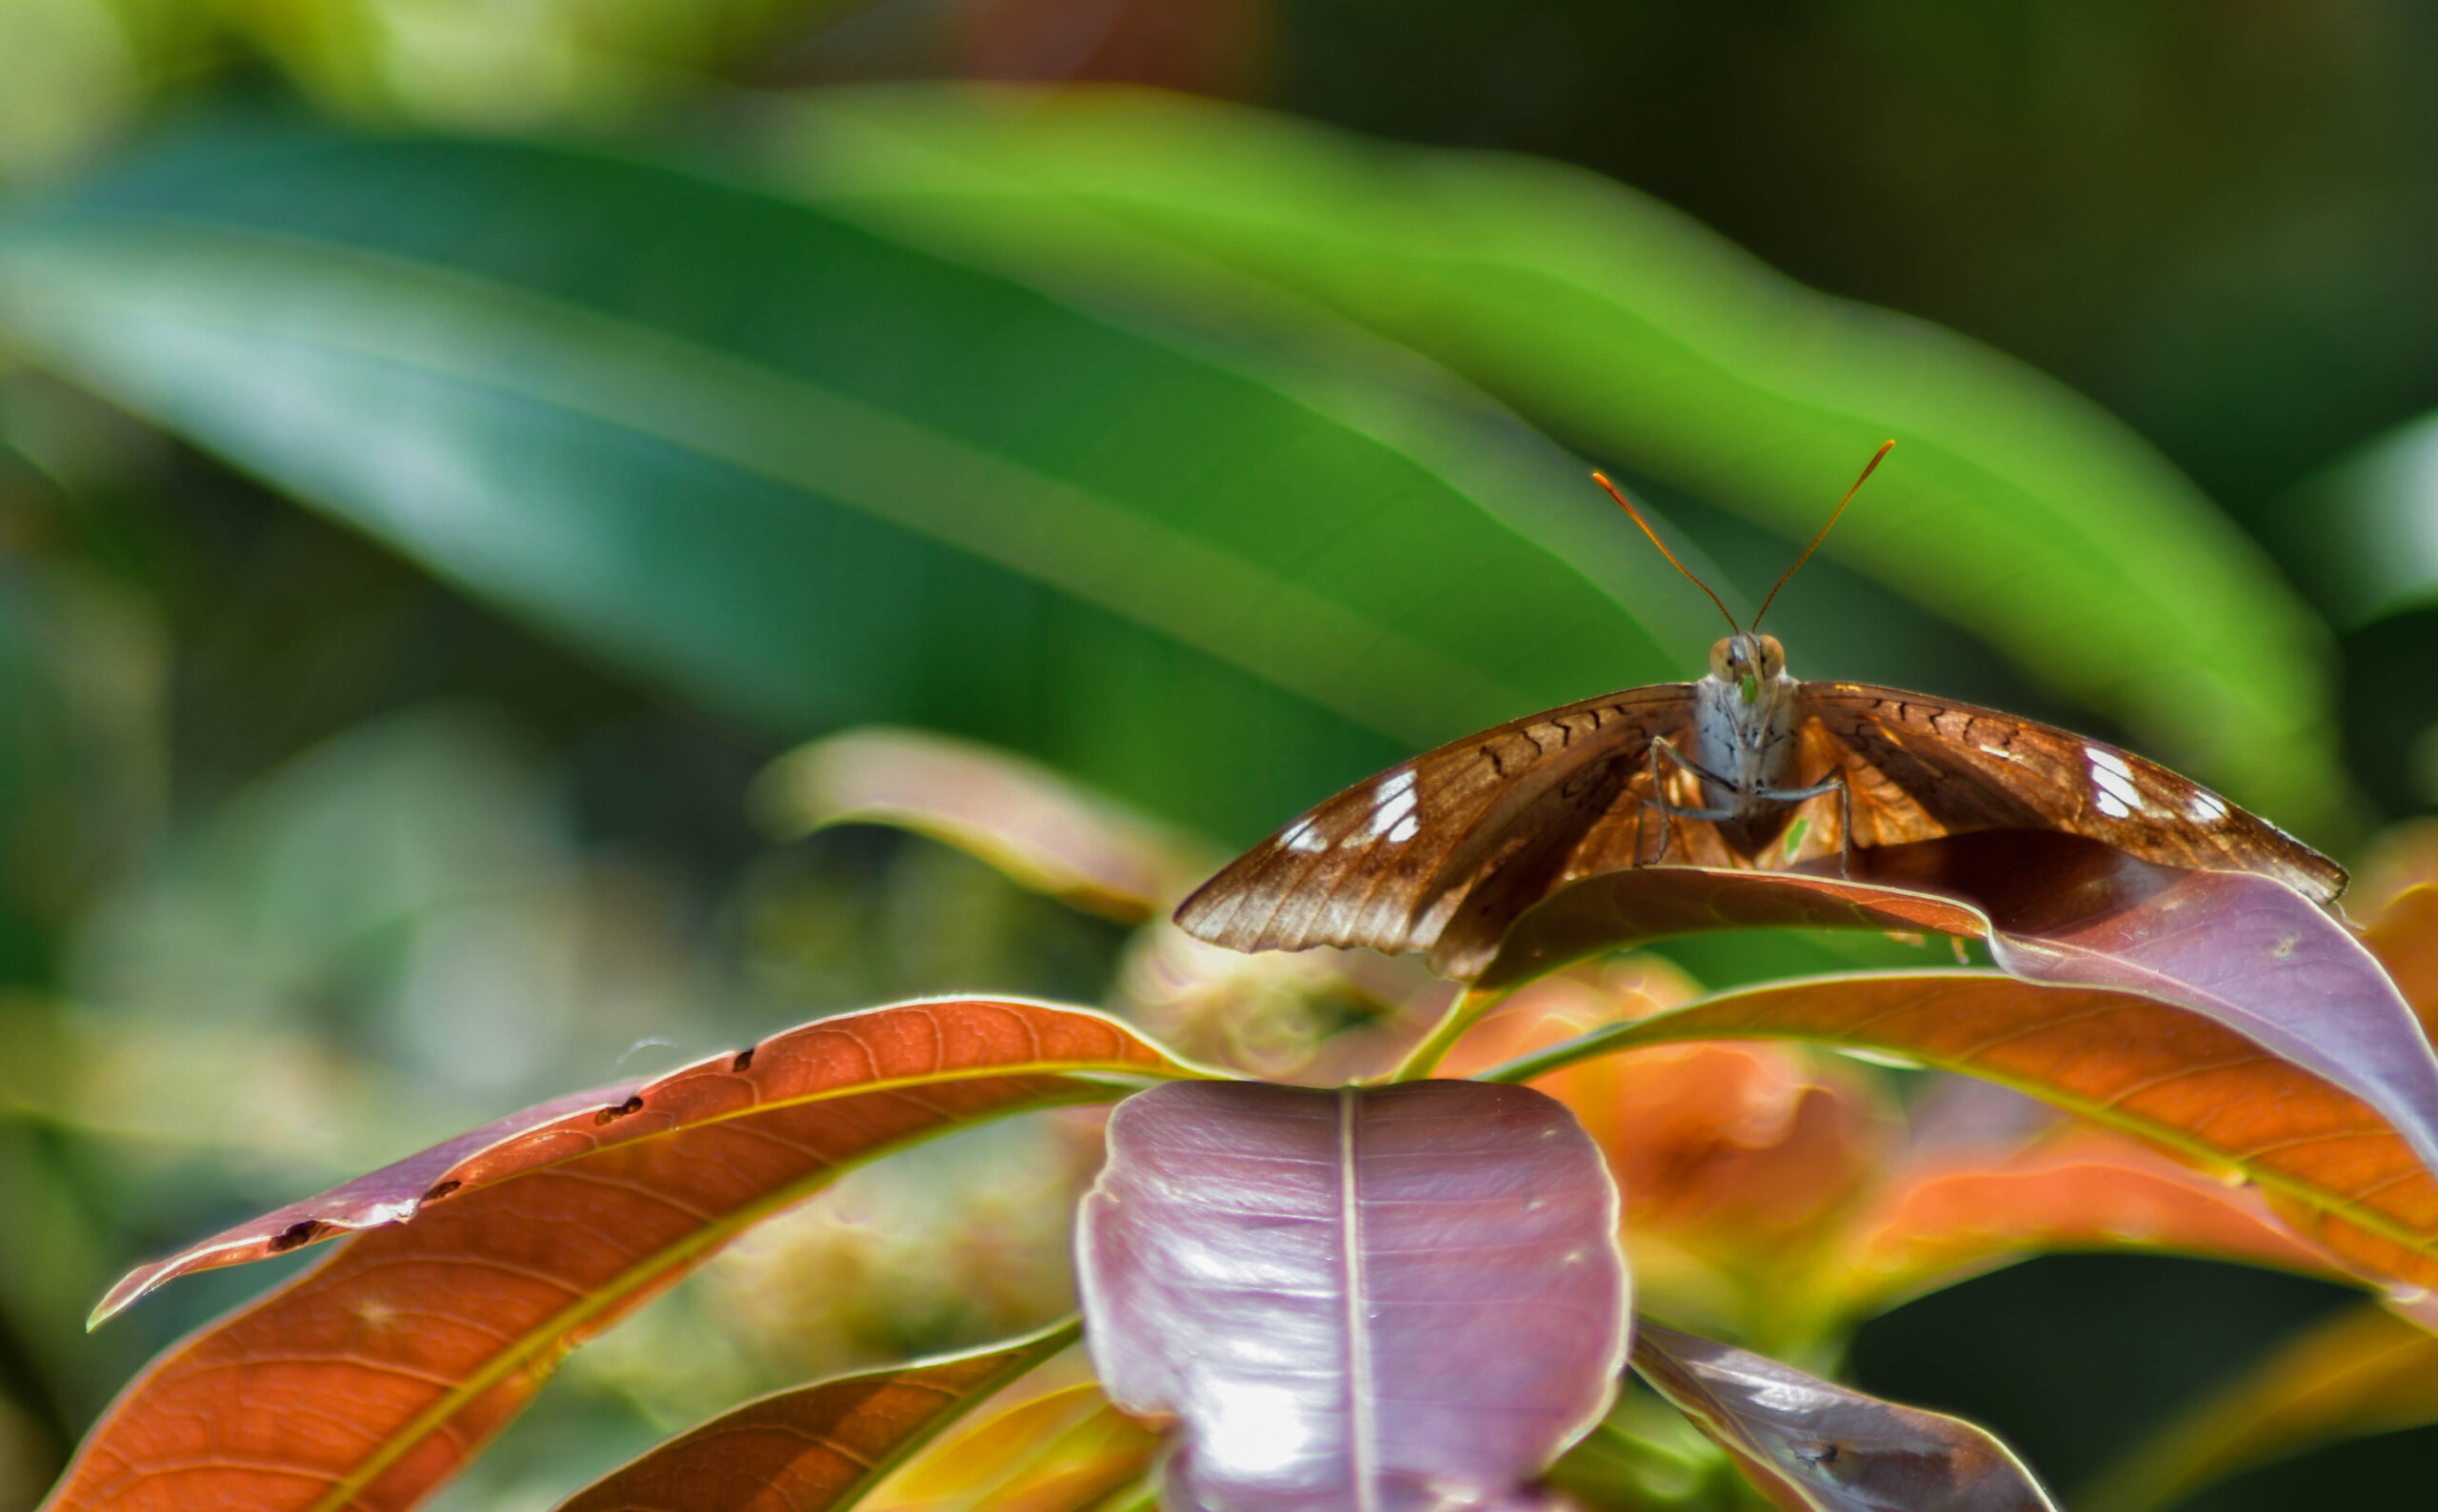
[450, 449]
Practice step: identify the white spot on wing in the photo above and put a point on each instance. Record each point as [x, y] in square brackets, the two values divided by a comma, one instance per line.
[2205, 809]
[1393, 808]
[1406, 829]
[1299, 836]
[2113, 784]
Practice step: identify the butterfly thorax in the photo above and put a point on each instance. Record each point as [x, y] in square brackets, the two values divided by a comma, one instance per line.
[1744, 733]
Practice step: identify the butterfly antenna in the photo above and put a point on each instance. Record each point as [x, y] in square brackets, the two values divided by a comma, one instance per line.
[1824, 530]
[1602, 479]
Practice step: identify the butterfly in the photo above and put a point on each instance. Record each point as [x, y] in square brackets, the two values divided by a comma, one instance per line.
[1748, 767]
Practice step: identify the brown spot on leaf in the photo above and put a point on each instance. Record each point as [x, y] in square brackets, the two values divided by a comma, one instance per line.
[744, 1060]
[301, 1232]
[442, 1190]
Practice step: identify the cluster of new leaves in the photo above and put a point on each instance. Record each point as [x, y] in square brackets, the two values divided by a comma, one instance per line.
[1408, 1293]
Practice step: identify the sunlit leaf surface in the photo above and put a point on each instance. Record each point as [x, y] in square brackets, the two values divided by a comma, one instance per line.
[1049, 1443]
[1398, 1298]
[1816, 1445]
[368, 1380]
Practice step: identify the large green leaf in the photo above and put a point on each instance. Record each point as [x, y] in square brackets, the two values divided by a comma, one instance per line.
[2364, 532]
[2012, 506]
[810, 475]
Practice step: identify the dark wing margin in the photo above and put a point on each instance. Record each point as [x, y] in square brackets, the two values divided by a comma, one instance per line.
[1919, 767]
[1440, 852]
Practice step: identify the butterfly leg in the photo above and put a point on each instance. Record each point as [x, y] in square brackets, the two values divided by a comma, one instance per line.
[1669, 812]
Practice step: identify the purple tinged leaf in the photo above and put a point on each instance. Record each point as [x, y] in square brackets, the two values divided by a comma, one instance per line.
[1398, 1298]
[2264, 961]
[2242, 949]
[1824, 1447]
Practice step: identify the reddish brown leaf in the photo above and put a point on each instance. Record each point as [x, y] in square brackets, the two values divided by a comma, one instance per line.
[1400, 1298]
[2242, 949]
[365, 1381]
[2164, 1074]
[819, 1446]
[1818, 1447]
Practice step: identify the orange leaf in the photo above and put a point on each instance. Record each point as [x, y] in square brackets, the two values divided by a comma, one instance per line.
[819, 1446]
[368, 1381]
[1954, 1214]
[2164, 1075]
[2405, 938]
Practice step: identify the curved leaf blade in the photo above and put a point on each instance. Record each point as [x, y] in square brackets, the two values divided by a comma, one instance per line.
[815, 476]
[1947, 1217]
[2015, 507]
[1828, 1448]
[2323, 1158]
[1036, 828]
[2369, 552]
[819, 1446]
[2365, 1370]
[367, 1380]
[1389, 1298]
[1051, 1442]
[2245, 951]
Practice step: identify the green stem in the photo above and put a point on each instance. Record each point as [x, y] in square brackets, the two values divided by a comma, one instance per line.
[1461, 1015]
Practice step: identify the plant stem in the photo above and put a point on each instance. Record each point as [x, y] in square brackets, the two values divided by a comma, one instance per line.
[1461, 1015]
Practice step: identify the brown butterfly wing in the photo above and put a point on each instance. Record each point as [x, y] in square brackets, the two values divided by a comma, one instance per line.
[1919, 767]
[1441, 852]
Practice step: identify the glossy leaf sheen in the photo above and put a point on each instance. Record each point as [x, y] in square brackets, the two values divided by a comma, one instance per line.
[813, 475]
[2241, 949]
[1403, 1297]
[2323, 1158]
[2011, 506]
[818, 1447]
[365, 1381]
[1824, 1447]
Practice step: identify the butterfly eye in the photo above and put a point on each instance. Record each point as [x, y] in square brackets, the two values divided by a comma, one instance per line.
[1773, 656]
[1726, 658]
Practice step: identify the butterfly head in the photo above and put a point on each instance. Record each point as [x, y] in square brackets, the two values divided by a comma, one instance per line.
[1749, 662]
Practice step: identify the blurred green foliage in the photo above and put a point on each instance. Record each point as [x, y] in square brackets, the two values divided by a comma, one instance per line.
[654, 399]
